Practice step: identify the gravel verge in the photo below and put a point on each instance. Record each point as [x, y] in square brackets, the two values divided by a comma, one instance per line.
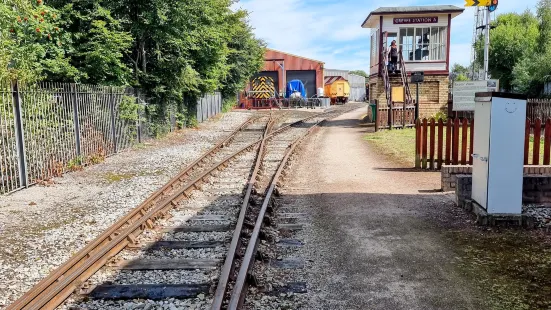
[41, 227]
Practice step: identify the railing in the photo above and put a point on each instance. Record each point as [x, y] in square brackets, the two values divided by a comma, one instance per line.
[535, 108]
[451, 142]
[538, 108]
[384, 73]
[209, 106]
[285, 103]
[396, 115]
[439, 142]
[48, 129]
[405, 82]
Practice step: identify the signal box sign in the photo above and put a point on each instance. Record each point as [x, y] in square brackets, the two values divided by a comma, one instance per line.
[417, 77]
[415, 20]
[464, 92]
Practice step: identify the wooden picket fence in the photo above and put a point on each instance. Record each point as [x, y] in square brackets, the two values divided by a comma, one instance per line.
[451, 142]
[439, 142]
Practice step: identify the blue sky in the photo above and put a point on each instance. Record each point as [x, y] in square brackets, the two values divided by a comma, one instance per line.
[330, 31]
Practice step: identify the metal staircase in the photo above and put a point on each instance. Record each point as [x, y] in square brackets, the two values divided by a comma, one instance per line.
[384, 73]
[404, 76]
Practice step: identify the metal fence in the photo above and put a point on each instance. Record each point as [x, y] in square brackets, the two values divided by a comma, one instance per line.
[47, 129]
[535, 109]
[209, 106]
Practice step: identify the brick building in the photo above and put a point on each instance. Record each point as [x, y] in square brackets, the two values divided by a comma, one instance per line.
[422, 35]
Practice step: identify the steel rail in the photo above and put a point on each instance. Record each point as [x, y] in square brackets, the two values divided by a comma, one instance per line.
[54, 295]
[76, 259]
[229, 263]
[59, 285]
[240, 287]
[228, 266]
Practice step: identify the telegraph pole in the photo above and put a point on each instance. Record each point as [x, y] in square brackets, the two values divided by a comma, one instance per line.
[487, 44]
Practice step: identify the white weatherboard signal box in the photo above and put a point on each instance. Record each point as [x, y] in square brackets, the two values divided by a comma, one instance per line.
[498, 152]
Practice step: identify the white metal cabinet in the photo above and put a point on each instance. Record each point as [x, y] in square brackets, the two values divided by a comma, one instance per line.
[498, 152]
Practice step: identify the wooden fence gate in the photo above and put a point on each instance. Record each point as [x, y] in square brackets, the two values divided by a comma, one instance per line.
[400, 115]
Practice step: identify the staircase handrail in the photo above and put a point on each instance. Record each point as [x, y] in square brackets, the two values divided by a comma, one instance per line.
[405, 82]
[384, 72]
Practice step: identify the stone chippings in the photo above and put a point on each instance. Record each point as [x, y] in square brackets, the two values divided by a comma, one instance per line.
[540, 213]
[201, 202]
[270, 278]
[44, 226]
[536, 196]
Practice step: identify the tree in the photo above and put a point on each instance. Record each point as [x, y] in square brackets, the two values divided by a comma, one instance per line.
[360, 73]
[174, 51]
[246, 56]
[31, 42]
[459, 73]
[514, 38]
[98, 43]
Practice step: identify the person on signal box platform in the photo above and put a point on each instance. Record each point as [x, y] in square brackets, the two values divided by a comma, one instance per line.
[393, 56]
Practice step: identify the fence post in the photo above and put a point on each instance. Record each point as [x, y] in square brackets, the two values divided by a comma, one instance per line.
[404, 116]
[20, 137]
[424, 144]
[390, 118]
[138, 121]
[74, 99]
[377, 117]
[113, 120]
[536, 146]
[527, 140]
[417, 143]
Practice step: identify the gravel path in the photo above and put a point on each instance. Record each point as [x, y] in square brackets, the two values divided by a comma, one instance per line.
[41, 227]
[373, 234]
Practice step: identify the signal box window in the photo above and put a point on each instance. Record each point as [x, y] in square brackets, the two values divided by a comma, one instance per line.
[423, 43]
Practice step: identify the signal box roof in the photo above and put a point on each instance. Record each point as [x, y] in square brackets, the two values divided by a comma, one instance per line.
[417, 10]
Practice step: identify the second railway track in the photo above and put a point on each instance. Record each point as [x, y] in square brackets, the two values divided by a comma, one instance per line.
[189, 245]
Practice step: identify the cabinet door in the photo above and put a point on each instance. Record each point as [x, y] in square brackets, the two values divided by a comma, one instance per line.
[507, 156]
[481, 153]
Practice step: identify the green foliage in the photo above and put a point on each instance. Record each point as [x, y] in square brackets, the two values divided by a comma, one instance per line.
[129, 109]
[171, 50]
[192, 122]
[75, 163]
[360, 73]
[32, 42]
[519, 52]
[459, 73]
[98, 43]
[440, 115]
[228, 104]
[514, 38]
[180, 120]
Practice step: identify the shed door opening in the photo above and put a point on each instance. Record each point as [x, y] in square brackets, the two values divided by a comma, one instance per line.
[308, 78]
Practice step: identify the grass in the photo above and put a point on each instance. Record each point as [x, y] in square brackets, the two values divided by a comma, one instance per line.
[117, 177]
[511, 266]
[399, 145]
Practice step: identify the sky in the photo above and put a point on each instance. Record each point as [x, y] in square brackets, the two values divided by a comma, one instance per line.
[330, 31]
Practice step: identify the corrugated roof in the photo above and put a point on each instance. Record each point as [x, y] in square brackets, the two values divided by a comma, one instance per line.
[332, 79]
[271, 49]
[415, 9]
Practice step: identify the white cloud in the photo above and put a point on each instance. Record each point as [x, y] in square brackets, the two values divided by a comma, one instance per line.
[331, 30]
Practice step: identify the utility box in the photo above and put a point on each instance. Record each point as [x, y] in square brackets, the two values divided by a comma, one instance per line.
[498, 152]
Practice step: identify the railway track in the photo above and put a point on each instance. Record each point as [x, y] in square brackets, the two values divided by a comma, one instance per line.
[167, 249]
